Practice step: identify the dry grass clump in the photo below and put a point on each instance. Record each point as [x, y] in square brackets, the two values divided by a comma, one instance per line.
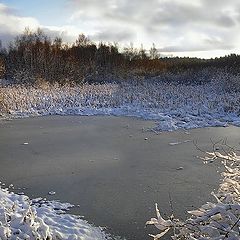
[3, 105]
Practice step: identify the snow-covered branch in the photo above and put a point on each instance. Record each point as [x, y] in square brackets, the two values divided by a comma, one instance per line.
[219, 220]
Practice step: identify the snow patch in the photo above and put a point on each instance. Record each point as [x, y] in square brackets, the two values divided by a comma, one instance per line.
[22, 218]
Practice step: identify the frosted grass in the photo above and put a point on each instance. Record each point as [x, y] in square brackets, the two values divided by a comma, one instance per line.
[172, 105]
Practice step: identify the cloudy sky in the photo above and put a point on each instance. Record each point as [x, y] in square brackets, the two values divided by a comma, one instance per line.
[202, 28]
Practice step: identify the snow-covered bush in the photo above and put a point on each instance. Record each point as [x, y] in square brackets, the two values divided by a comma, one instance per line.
[232, 84]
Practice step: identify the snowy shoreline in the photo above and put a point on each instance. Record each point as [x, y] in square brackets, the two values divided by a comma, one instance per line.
[173, 106]
[22, 218]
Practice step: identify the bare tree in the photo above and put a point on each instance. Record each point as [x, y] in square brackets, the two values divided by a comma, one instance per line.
[153, 52]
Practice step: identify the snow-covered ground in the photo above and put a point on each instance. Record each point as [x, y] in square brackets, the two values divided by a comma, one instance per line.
[172, 105]
[22, 218]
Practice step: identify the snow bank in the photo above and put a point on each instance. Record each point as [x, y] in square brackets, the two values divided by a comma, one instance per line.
[22, 218]
[217, 221]
[172, 105]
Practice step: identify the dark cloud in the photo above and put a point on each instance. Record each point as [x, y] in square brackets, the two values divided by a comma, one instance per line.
[225, 21]
[111, 35]
[53, 33]
[6, 38]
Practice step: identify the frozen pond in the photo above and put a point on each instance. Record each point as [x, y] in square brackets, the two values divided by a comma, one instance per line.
[111, 167]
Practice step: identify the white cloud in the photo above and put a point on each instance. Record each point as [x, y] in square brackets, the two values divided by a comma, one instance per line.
[175, 26]
[12, 24]
[179, 25]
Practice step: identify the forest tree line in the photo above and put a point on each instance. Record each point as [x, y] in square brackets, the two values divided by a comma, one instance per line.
[34, 56]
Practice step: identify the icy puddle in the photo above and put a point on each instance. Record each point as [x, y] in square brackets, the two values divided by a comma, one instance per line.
[111, 168]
